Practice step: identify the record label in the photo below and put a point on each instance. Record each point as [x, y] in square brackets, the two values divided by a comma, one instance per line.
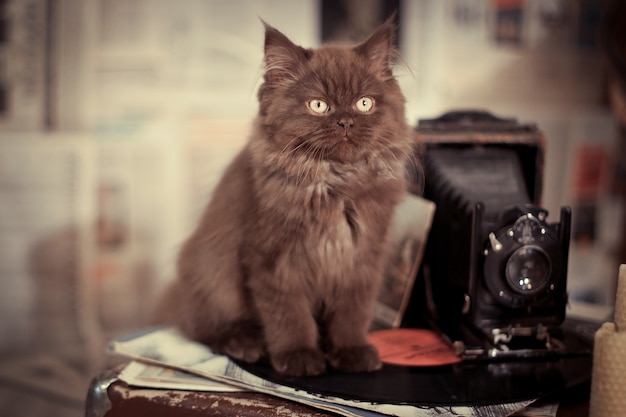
[412, 347]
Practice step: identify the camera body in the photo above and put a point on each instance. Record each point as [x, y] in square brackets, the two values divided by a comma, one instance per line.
[494, 268]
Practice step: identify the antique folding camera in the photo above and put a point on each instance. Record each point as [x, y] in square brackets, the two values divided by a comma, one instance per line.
[495, 267]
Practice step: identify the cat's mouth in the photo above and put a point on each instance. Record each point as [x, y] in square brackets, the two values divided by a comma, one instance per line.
[339, 145]
[345, 134]
[344, 147]
[344, 140]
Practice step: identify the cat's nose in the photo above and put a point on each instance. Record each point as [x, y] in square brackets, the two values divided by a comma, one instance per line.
[346, 123]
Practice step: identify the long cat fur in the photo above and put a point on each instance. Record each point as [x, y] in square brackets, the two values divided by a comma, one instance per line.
[287, 259]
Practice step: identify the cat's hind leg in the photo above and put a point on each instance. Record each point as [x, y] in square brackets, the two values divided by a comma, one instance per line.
[220, 316]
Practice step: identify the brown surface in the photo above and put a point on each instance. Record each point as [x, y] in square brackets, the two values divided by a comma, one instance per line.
[127, 402]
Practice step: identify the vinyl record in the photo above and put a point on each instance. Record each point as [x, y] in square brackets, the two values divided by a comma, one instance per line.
[464, 383]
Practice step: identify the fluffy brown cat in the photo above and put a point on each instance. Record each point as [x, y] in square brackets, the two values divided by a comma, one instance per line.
[287, 259]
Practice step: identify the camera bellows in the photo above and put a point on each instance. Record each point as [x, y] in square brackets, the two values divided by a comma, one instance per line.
[492, 176]
[608, 381]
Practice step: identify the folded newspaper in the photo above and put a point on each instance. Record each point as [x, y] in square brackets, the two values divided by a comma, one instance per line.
[168, 353]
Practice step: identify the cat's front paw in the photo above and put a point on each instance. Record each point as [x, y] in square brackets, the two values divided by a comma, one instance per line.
[355, 359]
[246, 350]
[243, 340]
[300, 362]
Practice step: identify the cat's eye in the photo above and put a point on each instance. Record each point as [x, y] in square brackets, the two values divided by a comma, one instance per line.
[318, 106]
[365, 104]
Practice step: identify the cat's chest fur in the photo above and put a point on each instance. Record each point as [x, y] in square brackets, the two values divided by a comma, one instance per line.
[331, 204]
[327, 200]
[328, 209]
[334, 237]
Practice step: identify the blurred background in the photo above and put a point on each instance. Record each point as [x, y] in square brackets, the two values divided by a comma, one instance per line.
[118, 116]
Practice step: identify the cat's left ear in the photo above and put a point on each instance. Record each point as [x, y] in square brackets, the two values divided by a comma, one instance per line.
[379, 48]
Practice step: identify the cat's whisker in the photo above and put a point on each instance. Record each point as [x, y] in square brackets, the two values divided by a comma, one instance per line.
[287, 145]
[320, 158]
[291, 141]
[319, 164]
[302, 166]
[405, 152]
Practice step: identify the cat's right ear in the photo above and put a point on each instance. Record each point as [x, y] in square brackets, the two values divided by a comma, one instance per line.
[284, 60]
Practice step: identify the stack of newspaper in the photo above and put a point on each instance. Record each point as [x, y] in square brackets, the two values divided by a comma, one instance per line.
[163, 358]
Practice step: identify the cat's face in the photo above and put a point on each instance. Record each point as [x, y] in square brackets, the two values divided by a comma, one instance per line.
[333, 103]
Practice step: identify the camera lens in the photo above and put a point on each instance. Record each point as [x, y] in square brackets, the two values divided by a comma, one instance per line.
[528, 270]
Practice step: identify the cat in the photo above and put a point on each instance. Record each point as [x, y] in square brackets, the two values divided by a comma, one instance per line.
[287, 259]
